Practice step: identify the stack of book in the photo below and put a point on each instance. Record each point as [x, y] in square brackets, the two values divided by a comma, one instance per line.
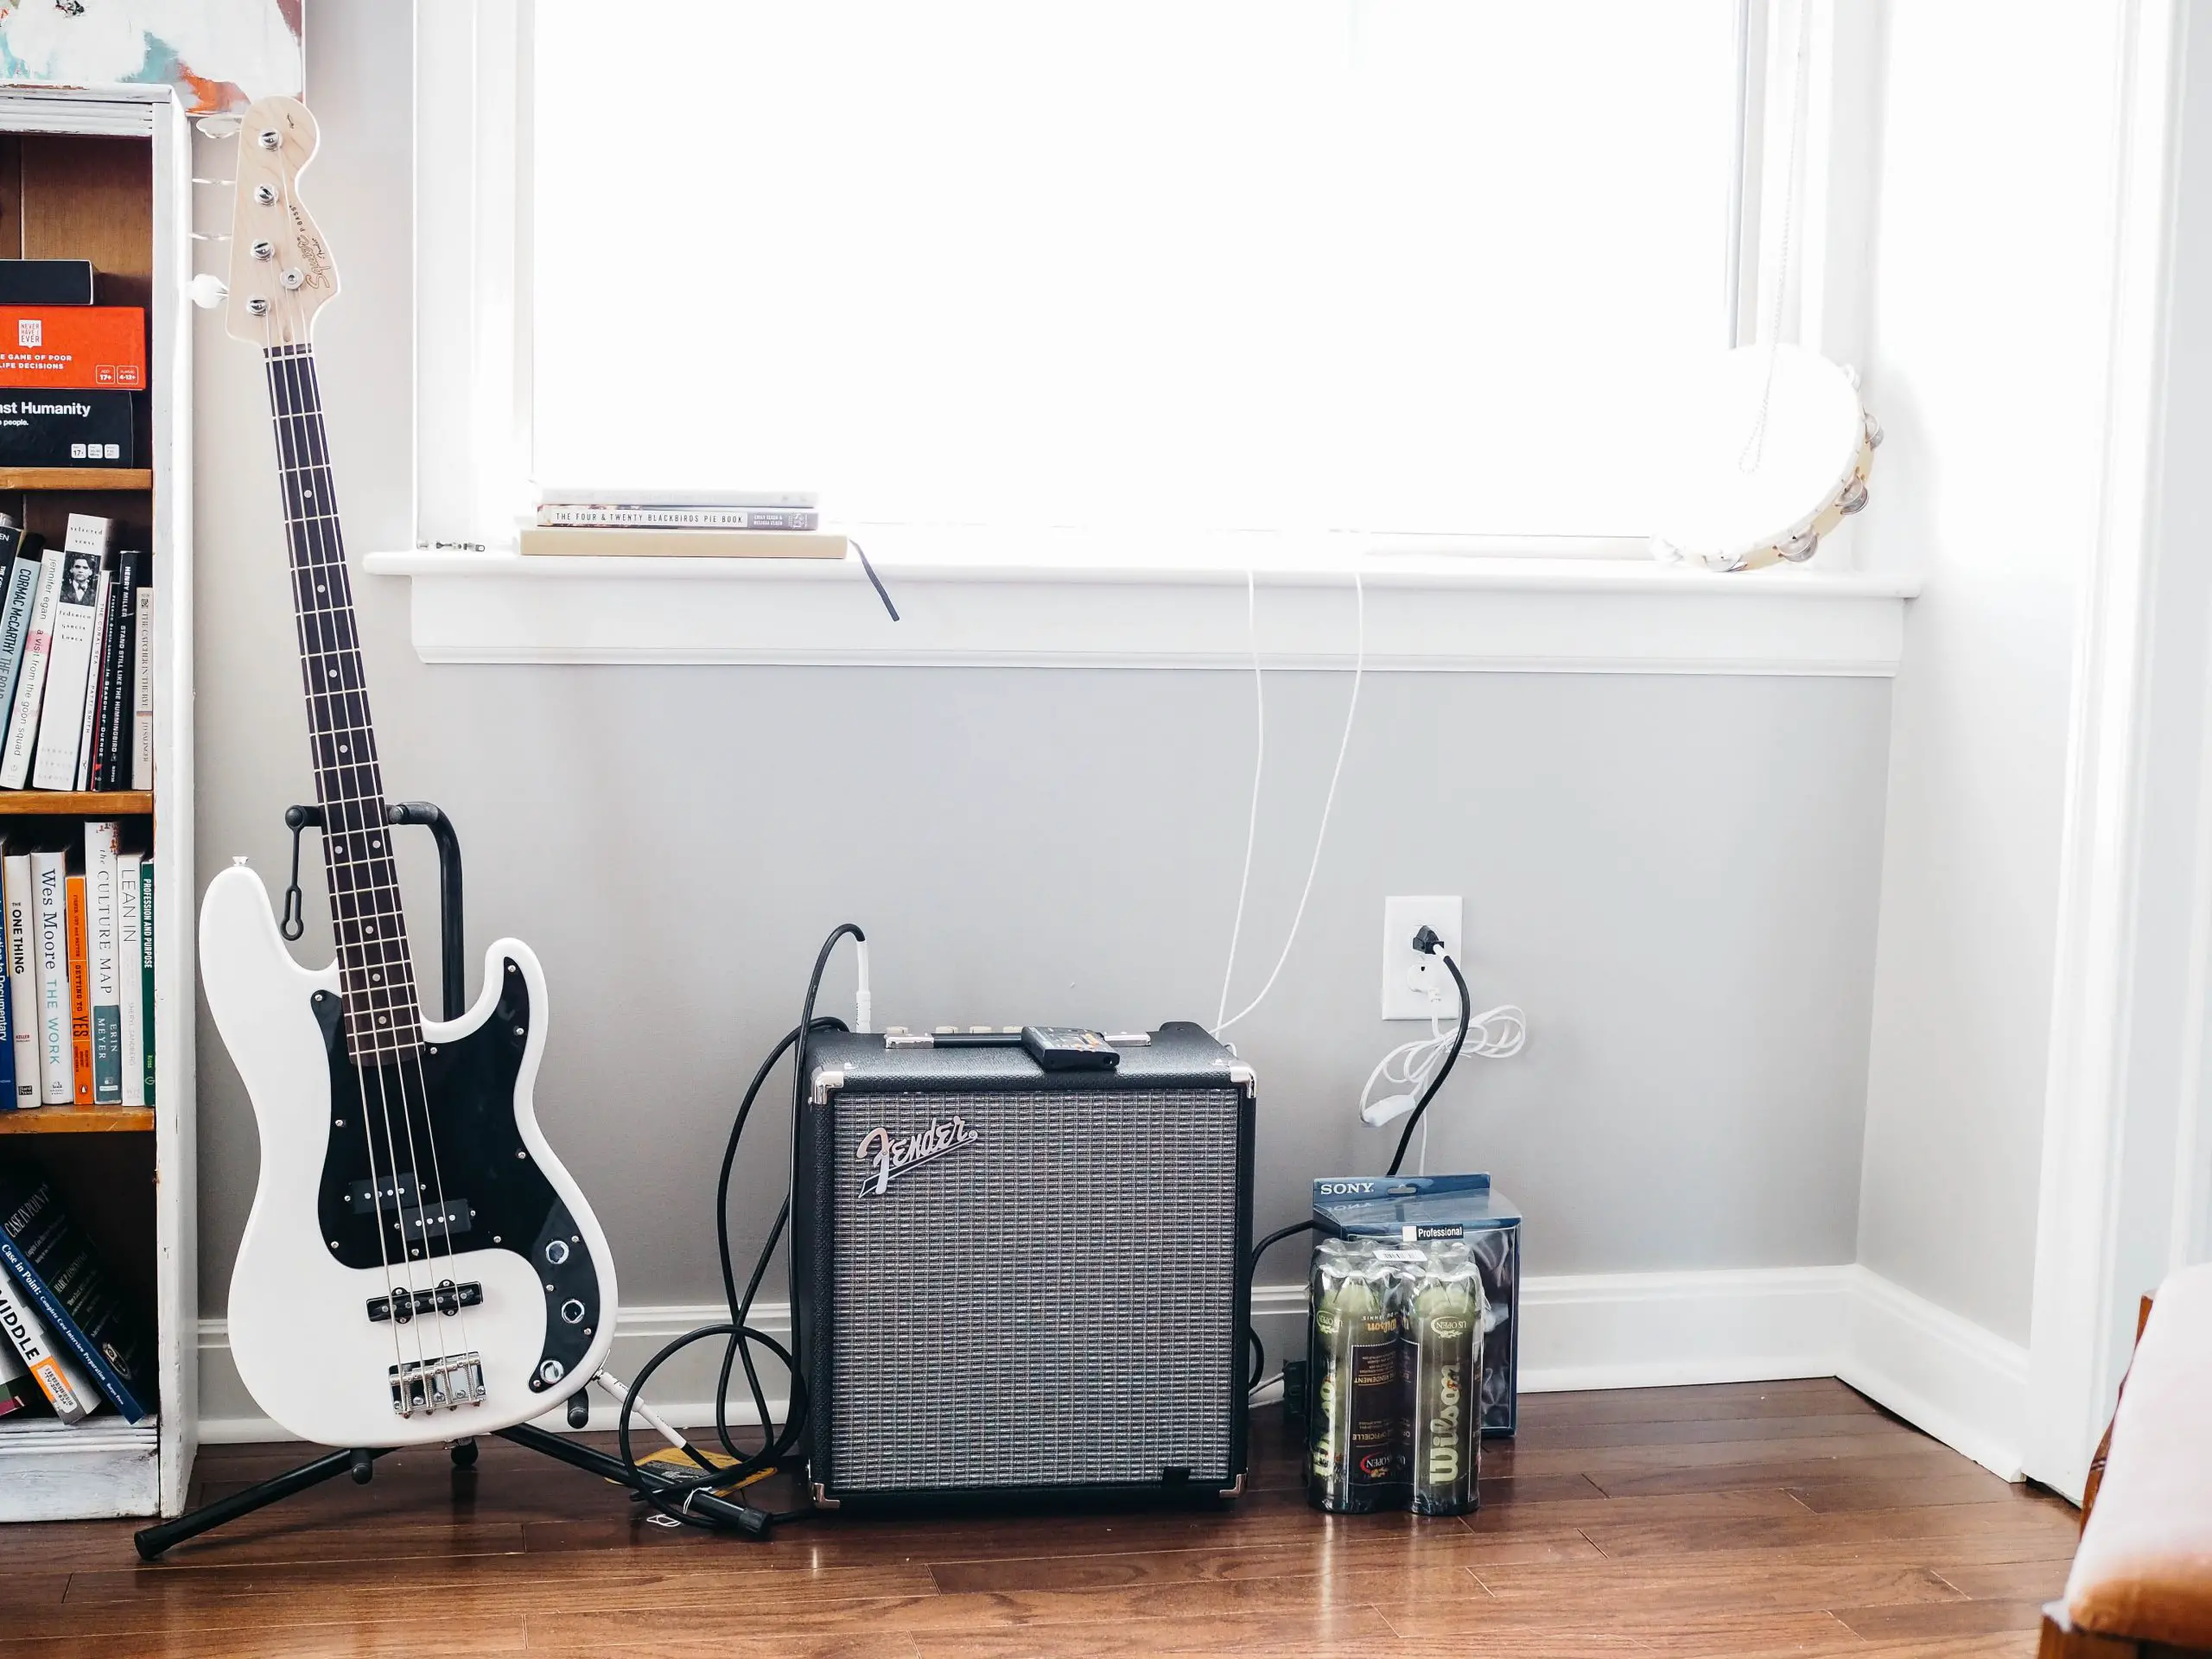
[76, 661]
[70, 370]
[77, 993]
[680, 524]
[69, 1336]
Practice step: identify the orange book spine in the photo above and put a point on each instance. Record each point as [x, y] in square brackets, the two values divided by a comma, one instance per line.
[80, 994]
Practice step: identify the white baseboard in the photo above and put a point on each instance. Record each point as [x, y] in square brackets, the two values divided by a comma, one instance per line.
[1660, 1330]
[1944, 1374]
[1936, 1370]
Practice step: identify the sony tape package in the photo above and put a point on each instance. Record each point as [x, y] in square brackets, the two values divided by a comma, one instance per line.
[1462, 1208]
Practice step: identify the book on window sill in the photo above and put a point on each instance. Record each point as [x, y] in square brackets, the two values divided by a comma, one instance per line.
[682, 543]
[631, 496]
[615, 518]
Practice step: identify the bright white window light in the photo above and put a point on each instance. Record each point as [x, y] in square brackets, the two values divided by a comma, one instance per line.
[1394, 265]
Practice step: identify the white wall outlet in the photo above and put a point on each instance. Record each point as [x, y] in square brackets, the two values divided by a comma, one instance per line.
[1414, 986]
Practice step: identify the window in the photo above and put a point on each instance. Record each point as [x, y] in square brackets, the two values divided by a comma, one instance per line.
[1392, 265]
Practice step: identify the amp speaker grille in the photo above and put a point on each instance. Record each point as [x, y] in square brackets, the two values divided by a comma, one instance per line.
[1053, 1304]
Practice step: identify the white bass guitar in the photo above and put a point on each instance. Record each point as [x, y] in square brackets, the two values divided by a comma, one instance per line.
[417, 1266]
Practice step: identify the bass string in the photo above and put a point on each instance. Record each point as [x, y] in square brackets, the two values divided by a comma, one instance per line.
[282, 391]
[325, 526]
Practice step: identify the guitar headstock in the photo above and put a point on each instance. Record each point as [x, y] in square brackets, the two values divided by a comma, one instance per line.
[281, 272]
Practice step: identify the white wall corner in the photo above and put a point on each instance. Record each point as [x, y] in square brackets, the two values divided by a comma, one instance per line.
[1942, 1374]
[2084, 1286]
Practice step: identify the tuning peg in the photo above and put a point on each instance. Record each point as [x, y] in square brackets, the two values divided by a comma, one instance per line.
[217, 126]
[208, 291]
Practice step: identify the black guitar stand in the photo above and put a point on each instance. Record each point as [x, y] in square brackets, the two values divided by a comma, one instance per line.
[359, 1462]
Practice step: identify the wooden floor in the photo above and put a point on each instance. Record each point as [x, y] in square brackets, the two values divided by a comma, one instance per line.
[1774, 1518]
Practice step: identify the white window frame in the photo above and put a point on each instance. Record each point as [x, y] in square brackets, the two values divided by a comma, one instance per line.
[474, 409]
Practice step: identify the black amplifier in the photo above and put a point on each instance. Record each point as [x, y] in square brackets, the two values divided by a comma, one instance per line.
[1009, 1280]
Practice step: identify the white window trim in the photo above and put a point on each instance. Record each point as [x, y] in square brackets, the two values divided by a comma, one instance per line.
[1069, 598]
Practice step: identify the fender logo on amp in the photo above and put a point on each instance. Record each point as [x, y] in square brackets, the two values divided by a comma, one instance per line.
[890, 1156]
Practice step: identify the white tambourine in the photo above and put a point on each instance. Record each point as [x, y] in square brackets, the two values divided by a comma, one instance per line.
[1770, 453]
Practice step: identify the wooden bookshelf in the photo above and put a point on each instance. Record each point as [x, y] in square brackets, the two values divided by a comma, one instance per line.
[75, 803]
[102, 174]
[78, 1120]
[76, 477]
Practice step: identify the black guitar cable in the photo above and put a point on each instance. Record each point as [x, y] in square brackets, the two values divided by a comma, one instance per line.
[1428, 944]
[669, 1494]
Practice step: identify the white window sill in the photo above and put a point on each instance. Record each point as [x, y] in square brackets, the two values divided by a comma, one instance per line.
[1187, 609]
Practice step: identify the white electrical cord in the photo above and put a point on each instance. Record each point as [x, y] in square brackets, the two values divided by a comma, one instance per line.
[1328, 805]
[1259, 759]
[1494, 1034]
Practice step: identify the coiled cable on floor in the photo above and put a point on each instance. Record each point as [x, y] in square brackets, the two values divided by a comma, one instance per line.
[670, 1494]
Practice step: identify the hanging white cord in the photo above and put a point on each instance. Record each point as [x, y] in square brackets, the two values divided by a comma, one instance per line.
[1258, 759]
[1754, 448]
[1320, 835]
[1494, 1034]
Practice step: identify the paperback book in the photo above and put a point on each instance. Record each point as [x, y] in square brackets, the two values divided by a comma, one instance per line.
[18, 1393]
[30, 679]
[85, 561]
[104, 960]
[65, 1388]
[16, 918]
[50, 968]
[81, 996]
[45, 1253]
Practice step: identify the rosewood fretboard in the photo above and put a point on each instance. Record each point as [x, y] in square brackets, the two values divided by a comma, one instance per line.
[376, 971]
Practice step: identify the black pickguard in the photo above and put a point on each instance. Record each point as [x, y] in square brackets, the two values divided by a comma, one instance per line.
[494, 1196]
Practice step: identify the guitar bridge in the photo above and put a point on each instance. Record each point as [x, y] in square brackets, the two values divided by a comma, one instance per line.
[446, 1298]
[446, 1383]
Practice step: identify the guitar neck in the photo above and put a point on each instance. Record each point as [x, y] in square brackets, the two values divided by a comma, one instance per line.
[376, 969]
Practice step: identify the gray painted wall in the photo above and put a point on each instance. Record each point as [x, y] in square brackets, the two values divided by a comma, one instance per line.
[1676, 877]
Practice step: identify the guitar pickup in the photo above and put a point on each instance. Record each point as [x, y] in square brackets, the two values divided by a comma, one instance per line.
[364, 1196]
[446, 1383]
[446, 1298]
[434, 1221]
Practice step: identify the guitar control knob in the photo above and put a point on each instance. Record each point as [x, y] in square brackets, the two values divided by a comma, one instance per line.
[557, 1252]
[572, 1312]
